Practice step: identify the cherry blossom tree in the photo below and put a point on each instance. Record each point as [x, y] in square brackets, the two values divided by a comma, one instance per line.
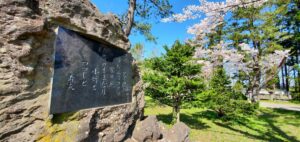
[214, 13]
[262, 65]
[235, 61]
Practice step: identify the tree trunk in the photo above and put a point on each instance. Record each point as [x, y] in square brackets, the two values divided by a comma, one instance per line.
[250, 96]
[176, 110]
[282, 77]
[295, 78]
[130, 17]
[286, 78]
[295, 81]
[255, 90]
[178, 115]
[298, 73]
[254, 87]
[256, 80]
[174, 114]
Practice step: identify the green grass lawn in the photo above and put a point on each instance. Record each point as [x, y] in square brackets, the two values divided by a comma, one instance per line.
[269, 125]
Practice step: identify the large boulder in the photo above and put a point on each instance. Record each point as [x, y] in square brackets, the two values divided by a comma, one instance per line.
[147, 130]
[27, 34]
[150, 130]
[178, 133]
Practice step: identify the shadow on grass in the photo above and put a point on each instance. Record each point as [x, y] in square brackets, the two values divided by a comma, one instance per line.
[273, 133]
[192, 121]
[213, 116]
[287, 112]
[270, 116]
[208, 114]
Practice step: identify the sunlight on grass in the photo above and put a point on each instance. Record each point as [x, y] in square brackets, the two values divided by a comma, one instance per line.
[282, 102]
[268, 125]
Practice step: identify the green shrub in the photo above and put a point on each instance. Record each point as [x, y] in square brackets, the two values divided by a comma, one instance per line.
[220, 98]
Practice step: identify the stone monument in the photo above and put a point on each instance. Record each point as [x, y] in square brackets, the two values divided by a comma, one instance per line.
[27, 45]
[88, 74]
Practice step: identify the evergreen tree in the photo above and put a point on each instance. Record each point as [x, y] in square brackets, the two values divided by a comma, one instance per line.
[288, 19]
[255, 26]
[219, 92]
[220, 97]
[173, 79]
[220, 81]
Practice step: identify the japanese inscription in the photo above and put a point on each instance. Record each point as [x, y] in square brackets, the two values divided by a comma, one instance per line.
[88, 74]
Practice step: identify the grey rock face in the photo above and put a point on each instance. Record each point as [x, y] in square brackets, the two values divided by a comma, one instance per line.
[150, 130]
[27, 34]
[147, 130]
[178, 133]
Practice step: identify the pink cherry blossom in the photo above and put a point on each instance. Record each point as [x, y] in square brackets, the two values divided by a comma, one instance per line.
[235, 59]
[214, 13]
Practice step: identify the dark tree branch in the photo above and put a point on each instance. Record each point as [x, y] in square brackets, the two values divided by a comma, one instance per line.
[130, 17]
[275, 73]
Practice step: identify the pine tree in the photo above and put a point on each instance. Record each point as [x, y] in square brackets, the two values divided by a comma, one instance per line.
[288, 19]
[173, 79]
[220, 97]
[220, 81]
[220, 93]
[255, 26]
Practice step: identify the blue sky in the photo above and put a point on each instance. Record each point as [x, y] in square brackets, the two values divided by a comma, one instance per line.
[166, 33]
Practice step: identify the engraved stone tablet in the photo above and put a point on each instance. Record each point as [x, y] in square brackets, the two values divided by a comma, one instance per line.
[88, 74]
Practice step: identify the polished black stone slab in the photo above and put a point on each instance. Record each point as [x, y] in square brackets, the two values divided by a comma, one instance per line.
[88, 74]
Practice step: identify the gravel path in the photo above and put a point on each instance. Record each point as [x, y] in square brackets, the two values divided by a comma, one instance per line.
[280, 106]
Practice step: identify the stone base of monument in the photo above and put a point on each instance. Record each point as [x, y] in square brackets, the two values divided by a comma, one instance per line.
[150, 130]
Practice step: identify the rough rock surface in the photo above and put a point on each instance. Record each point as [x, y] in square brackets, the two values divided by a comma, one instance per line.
[27, 34]
[178, 133]
[150, 130]
[147, 130]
